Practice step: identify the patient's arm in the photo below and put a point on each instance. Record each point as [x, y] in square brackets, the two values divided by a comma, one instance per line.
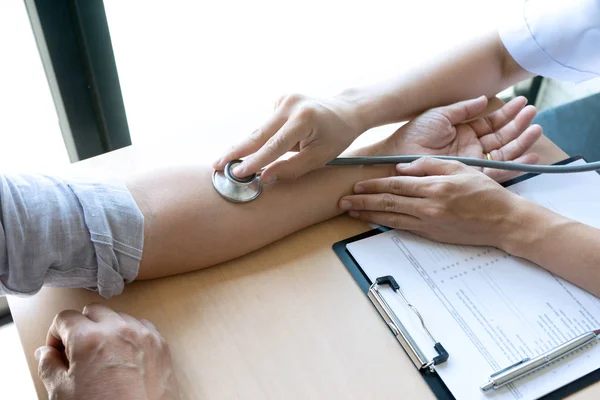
[189, 226]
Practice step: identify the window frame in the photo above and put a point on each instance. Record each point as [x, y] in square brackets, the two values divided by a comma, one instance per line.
[74, 43]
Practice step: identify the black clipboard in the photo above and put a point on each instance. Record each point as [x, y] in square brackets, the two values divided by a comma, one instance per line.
[433, 380]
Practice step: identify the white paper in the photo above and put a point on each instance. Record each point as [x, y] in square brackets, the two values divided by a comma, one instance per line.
[487, 308]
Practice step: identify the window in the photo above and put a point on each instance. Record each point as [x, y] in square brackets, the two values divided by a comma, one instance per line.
[74, 44]
[29, 129]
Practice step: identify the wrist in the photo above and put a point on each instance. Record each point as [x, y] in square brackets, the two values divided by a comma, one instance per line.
[363, 106]
[528, 227]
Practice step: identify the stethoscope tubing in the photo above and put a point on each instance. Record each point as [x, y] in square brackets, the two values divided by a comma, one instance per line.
[473, 162]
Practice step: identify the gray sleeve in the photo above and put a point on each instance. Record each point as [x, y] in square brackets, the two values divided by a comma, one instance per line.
[67, 233]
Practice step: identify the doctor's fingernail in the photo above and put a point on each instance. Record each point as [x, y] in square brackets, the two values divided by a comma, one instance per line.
[353, 214]
[345, 205]
[38, 353]
[359, 189]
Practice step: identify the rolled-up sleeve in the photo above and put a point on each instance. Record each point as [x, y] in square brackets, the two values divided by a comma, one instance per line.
[67, 233]
[558, 39]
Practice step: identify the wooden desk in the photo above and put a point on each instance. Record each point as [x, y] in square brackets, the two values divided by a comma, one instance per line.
[285, 322]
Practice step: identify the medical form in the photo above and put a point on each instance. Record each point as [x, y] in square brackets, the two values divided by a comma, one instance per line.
[491, 309]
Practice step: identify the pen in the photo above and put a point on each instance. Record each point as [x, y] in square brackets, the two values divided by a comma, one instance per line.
[528, 365]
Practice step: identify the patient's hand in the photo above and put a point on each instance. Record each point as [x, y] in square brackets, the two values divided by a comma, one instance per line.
[506, 134]
[103, 354]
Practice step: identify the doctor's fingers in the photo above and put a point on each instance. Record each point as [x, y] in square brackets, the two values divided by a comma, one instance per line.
[399, 185]
[301, 163]
[293, 131]
[383, 202]
[254, 141]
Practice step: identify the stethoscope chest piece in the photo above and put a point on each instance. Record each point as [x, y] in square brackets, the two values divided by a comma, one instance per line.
[232, 188]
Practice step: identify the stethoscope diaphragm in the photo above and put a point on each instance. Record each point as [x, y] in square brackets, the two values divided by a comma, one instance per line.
[232, 188]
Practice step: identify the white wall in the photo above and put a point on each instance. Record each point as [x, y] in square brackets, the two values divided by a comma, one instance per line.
[191, 68]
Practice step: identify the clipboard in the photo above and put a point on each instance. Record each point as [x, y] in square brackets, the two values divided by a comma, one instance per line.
[433, 380]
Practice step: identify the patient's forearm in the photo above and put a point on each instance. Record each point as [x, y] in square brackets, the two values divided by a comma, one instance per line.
[189, 226]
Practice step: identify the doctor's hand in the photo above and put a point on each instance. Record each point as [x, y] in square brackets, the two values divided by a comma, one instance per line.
[444, 201]
[101, 354]
[319, 129]
[454, 131]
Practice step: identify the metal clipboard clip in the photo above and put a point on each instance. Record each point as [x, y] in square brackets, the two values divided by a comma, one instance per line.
[406, 341]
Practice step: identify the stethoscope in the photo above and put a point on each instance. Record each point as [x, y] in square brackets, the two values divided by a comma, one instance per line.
[243, 190]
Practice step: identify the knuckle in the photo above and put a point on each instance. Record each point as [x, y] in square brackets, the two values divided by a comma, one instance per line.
[464, 110]
[148, 338]
[441, 188]
[445, 187]
[163, 348]
[460, 167]
[306, 113]
[164, 343]
[80, 342]
[91, 307]
[62, 321]
[358, 203]
[272, 144]
[292, 174]
[395, 186]
[279, 101]
[127, 332]
[62, 317]
[388, 202]
[425, 161]
[84, 341]
[289, 100]
[256, 135]
[454, 164]
[395, 221]
[433, 212]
